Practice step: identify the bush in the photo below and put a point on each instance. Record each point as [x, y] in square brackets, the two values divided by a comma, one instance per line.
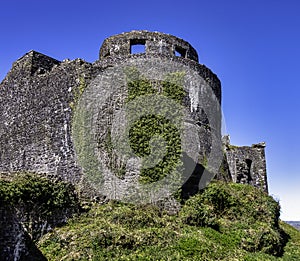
[250, 212]
[39, 202]
[36, 192]
[196, 213]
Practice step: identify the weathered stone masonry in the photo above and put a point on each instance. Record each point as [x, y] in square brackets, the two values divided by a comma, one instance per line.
[247, 164]
[38, 98]
[35, 100]
[39, 94]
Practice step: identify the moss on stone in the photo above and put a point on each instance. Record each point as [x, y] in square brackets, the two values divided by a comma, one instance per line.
[144, 129]
[78, 91]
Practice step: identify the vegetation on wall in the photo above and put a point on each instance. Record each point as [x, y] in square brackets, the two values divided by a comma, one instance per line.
[38, 200]
[37, 192]
[78, 91]
[155, 123]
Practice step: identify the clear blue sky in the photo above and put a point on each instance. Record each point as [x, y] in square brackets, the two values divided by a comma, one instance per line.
[253, 46]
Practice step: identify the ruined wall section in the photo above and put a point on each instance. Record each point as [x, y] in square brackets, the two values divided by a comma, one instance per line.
[247, 164]
[36, 102]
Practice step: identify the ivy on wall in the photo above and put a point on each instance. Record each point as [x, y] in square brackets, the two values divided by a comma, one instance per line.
[151, 126]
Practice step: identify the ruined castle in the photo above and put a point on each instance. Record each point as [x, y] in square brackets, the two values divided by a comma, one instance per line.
[52, 111]
[39, 95]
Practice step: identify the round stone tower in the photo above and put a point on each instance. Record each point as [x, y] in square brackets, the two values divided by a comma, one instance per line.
[159, 45]
[150, 121]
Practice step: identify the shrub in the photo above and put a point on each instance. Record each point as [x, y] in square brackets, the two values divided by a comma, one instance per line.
[248, 213]
[39, 202]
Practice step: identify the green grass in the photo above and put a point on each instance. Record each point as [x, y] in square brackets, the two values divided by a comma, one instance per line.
[224, 222]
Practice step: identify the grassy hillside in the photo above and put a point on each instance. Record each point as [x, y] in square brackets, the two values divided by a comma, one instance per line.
[224, 222]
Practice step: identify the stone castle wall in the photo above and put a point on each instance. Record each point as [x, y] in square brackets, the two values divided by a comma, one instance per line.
[247, 165]
[38, 101]
[35, 113]
[39, 95]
